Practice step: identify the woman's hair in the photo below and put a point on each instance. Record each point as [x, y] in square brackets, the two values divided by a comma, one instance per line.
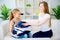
[12, 13]
[46, 10]
[45, 4]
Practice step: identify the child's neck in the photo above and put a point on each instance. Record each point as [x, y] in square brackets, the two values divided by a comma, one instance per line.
[17, 19]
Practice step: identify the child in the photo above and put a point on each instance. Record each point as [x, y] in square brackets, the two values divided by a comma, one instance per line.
[18, 28]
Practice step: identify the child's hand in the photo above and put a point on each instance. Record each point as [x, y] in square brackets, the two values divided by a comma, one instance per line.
[11, 34]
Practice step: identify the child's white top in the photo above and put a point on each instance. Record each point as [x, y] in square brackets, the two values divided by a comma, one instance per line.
[44, 27]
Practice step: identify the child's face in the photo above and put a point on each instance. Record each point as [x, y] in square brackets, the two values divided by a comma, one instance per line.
[17, 14]
[42, 7]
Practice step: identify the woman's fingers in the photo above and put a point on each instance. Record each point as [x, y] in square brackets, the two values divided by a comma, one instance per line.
[25, 24]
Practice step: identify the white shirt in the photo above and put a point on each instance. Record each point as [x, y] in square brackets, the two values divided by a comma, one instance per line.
[44, 27]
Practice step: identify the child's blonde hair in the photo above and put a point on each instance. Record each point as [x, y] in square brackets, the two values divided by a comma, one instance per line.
[12, 12]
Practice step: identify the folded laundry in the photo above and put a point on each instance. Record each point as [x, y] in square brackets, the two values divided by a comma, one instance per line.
[20, 24]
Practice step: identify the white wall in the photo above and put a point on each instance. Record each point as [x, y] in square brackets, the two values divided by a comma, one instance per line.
[53, 4]
[9, 3]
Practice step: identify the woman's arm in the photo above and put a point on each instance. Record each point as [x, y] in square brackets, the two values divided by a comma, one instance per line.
[32, 23]
[11, 27]
[42, 21]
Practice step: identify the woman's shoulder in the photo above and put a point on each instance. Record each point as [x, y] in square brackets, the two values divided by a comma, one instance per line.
[47, 15]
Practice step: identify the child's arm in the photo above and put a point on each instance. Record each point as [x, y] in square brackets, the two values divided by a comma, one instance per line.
[11, 27]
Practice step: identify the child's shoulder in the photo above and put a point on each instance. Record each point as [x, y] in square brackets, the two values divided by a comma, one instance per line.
[12, 21]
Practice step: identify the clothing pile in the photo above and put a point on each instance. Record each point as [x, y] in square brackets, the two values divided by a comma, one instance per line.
[20, 29]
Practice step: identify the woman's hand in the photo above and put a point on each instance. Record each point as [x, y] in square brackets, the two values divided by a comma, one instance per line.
[25, 24]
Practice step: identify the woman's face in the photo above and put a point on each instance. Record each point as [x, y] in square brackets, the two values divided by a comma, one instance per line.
[41, 7]
[17, 14]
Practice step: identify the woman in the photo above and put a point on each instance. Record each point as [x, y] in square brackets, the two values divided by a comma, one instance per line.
[44, 22]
